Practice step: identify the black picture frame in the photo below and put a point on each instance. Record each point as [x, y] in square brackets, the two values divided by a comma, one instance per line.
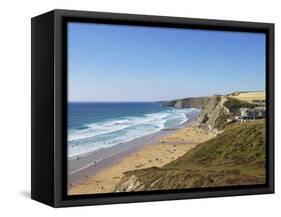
[49, 107]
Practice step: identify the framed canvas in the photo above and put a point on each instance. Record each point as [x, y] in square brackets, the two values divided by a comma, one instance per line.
[134, 108]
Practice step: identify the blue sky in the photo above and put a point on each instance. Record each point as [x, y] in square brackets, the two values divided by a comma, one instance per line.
[130, 63]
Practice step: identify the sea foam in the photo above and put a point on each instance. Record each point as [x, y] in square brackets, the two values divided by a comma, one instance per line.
[108, 133]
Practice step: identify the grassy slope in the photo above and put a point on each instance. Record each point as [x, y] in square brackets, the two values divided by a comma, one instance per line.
[234, 105]
[235, 157]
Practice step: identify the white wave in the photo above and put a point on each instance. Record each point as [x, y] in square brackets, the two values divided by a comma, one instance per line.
[98, 129]
[113, 132]
[113, 126]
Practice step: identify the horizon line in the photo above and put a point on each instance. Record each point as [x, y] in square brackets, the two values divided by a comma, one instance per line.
[89, 101]
[120, 101]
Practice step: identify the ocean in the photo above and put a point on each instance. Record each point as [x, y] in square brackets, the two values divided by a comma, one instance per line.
[96, 125]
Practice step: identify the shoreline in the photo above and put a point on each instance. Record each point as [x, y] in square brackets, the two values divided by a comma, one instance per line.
[81, 167]
[165, 147]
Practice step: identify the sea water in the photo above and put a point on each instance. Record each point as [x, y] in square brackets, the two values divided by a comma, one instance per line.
[96, 125]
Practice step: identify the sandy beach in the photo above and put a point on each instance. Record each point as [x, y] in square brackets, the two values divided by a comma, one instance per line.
[165, 148]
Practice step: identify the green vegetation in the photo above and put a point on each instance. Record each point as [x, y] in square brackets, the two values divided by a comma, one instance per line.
[240, 144]
[235, 104]
[221, 121]
[234, 157]
[259, 101]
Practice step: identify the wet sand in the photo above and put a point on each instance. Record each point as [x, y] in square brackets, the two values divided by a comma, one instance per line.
[154, 150]
[81, 167]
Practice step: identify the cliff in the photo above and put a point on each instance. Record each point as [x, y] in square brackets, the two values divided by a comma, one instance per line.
[234, 157]
[213, 112]
[192, 102]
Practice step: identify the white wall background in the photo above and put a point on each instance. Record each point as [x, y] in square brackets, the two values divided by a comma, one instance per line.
[15, 106]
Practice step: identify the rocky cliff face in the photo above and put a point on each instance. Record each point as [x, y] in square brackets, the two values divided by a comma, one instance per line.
[213, 110]
[192, 102]
[214, 115]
